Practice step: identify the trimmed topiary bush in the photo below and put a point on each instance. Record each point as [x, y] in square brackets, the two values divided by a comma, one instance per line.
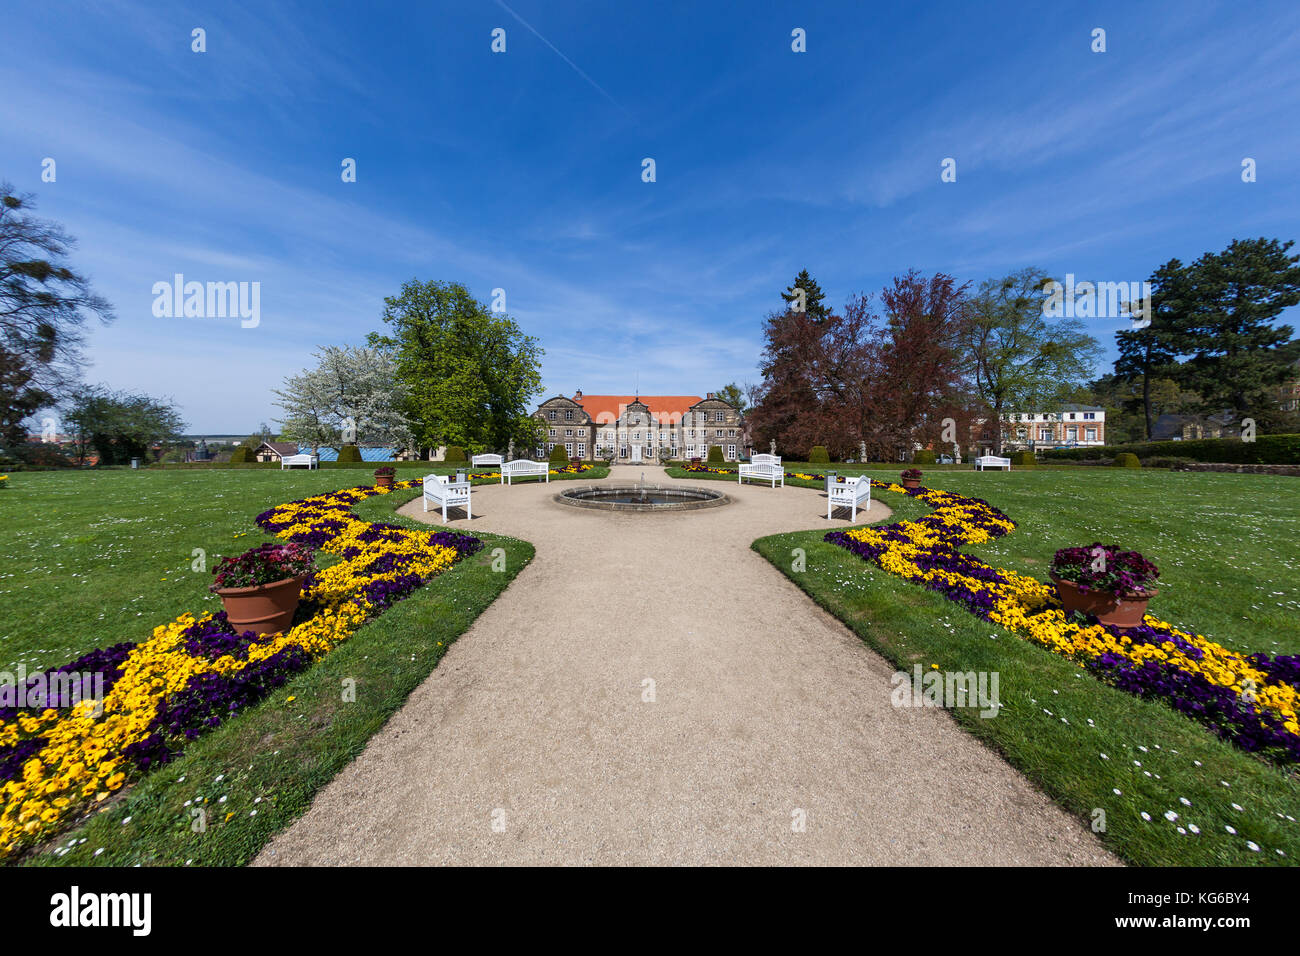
[558, 454]
[923, 457]
[715, 454]
[1126, 459]
[1024, 459]
[456, 454]
[242, 455]
[819, 455]
[349, 455]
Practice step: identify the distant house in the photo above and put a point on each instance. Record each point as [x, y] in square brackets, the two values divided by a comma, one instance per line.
[275, 450]
[1193, 427]
[1070, 426]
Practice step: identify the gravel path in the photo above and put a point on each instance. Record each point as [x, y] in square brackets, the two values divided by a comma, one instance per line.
[531, 743]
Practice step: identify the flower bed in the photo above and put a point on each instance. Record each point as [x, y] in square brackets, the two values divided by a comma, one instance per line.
[1249, 699]
[195, 672]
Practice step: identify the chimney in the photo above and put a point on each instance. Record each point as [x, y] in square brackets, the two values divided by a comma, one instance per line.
[708, 395]
[577, 396]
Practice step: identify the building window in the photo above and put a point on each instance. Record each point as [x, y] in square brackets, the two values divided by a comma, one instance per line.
[551, 432]
[731, 452]
[568, 414]
[1090, 434]
[551, 414]
[1072, 433]
[1044, 434]
[718, 417]
[582, 450]
[1089, 416]
[568, 448]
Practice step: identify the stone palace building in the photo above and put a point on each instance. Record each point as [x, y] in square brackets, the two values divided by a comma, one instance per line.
[635, 428]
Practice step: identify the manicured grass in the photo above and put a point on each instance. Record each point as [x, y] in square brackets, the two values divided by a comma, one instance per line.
[93, 558]
[1225, 543]
[1222, 534]
[255, 775]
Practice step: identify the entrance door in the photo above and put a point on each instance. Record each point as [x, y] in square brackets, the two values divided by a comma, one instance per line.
[636, 454]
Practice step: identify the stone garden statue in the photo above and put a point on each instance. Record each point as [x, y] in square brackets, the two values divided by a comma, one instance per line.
[772, 446]
[510, 451]
[862, 451]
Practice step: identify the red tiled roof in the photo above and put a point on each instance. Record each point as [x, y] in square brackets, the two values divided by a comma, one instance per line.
[609, 407]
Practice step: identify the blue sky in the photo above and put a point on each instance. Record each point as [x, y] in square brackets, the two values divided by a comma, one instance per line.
[522, 170]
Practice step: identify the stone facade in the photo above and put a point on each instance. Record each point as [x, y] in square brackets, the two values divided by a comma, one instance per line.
[633, 428]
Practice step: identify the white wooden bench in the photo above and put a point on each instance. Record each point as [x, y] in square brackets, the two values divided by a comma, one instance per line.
[523, 468]
[480, 460]
[762, 468]
[289, 461]
[985, 462]
[852, 493]
[441, 490]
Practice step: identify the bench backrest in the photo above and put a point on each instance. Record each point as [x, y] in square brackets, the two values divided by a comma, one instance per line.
[525, 466]
[440, 486]
[303, 459]
[993, 460]
[485, 460]
[774, 460]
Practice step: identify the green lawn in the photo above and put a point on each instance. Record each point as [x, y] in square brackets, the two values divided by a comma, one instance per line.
[1225, 544]
[93, 558]
[255, 775]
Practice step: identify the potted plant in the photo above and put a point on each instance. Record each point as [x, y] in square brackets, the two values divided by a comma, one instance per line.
[1113, 585]
[384, 476]
[911, 478]
[260, 588]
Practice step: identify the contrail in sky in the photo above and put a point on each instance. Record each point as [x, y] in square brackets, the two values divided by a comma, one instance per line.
[576, 69]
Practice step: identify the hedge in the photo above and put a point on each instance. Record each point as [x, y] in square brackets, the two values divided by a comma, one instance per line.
[454, 454]
[1024, 459]
[558, 453]
[924, 457]
[349, 455]
[1264, 450]
[1126, 459]
[819, 455]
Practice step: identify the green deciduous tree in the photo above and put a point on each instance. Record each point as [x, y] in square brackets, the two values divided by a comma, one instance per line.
[468, 373]
[734, 394]
[118, 426]
[1019, 359]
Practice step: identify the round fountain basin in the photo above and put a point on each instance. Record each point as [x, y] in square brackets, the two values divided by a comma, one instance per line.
[651, 498]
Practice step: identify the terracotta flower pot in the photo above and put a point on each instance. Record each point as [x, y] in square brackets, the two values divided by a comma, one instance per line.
[1119, 610]
[911, 482]
[264, 609]
[383, 481]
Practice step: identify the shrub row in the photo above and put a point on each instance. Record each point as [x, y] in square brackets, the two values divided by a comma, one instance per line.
[1264, 450]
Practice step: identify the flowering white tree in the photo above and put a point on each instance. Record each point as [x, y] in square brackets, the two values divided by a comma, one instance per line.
[351, 395]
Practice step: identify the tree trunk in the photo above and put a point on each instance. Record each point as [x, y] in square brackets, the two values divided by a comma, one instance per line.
[1146, 399]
